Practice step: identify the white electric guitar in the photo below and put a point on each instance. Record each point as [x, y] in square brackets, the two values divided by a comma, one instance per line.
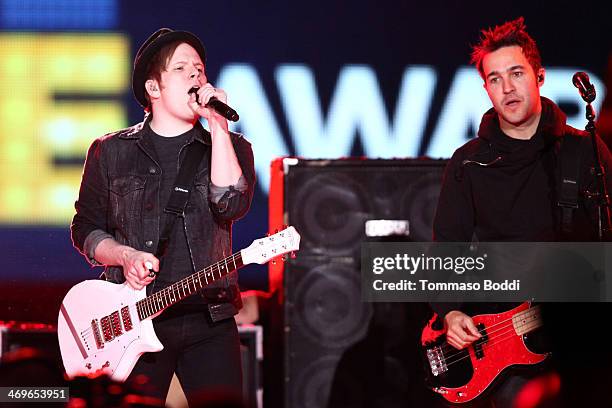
[103, 327]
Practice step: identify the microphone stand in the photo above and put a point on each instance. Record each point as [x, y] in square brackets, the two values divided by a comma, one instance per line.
[602, 199]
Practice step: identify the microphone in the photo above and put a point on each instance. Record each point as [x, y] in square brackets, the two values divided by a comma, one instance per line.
[586, 89]
[218, 106]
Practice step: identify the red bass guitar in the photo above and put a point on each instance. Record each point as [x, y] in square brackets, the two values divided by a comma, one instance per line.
[460, 376]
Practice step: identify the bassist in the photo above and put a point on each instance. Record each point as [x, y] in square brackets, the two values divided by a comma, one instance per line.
[502, 185]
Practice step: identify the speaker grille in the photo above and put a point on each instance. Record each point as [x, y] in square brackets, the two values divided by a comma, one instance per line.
[329, 202]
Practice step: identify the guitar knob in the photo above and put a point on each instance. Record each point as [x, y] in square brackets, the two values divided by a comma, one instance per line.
[292, 255]
[88, 365]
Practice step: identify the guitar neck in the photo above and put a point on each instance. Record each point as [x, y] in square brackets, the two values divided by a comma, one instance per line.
[158, 301]
[527, 320]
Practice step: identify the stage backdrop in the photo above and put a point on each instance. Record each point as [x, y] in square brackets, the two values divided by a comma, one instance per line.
[312, 79]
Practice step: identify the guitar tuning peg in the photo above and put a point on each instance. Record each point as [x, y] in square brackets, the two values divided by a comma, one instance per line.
[293, 256]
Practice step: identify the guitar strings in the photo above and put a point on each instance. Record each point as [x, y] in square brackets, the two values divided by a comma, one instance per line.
[446, 347]
[148, 302]
[488, 346]
[170, 294]
[491, 335]
[493, 340]
[529, 315]
[496, 337]
[149, 305]
[465, 354]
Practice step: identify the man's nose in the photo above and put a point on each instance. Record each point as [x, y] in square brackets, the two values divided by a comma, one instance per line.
[508, 86]
[198, 77]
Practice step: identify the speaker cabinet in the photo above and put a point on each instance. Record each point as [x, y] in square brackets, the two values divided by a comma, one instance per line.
[328, 202]
[251, 355]
[40, 336]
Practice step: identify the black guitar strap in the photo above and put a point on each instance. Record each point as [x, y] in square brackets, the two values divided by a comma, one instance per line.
[185, 180]
[568, 187]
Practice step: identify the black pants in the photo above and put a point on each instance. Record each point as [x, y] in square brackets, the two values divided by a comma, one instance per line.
[204, 355]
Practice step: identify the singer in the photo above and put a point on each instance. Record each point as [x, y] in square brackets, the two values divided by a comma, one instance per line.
[163, 195]
[524, 178]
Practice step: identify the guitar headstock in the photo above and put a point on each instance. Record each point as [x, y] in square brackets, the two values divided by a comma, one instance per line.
[264, 249]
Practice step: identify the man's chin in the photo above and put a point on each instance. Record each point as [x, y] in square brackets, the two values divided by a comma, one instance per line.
[513, 121]
[514, 117]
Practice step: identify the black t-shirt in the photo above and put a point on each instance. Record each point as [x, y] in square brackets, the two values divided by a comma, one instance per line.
[177, 261]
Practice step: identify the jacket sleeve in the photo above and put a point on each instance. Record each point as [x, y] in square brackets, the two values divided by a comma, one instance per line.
[89, 224]
[232, 202]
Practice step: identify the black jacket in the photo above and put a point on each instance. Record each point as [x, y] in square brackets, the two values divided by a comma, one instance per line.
[119, 195]
[498, 189]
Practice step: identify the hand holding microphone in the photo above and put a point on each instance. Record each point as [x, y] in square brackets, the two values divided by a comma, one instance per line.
[215, 104]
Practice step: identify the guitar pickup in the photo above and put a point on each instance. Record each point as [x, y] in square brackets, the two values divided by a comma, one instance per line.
[107, 329]
[478, 351]
[116, 324]
[127, 320]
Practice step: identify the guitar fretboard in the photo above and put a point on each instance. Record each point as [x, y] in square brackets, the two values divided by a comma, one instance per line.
[178, 291]
[527, 320]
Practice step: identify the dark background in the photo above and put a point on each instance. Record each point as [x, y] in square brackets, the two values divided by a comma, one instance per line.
[387, 36]
[325, 36]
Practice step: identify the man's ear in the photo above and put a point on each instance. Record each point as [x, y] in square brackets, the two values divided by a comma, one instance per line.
[152, 88]
[541, 75]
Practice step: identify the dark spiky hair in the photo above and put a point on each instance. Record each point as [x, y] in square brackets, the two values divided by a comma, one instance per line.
[506, 35]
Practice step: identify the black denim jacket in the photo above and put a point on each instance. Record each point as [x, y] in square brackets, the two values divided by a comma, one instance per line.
[119, 198]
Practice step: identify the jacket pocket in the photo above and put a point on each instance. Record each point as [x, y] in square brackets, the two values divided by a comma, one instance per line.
[126, 197]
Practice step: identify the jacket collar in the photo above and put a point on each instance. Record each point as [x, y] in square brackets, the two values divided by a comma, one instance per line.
[552, 122]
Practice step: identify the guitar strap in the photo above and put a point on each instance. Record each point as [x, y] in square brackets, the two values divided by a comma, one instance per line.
[183, 184]
[568, 188]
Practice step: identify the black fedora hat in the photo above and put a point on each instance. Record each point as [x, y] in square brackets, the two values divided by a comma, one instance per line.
[149, 48]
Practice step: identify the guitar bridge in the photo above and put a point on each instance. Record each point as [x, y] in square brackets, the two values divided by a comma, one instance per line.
[96, 332]
[436, 360]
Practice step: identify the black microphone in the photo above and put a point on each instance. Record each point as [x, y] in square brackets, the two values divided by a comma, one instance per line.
[218, 106]
[586, 89]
